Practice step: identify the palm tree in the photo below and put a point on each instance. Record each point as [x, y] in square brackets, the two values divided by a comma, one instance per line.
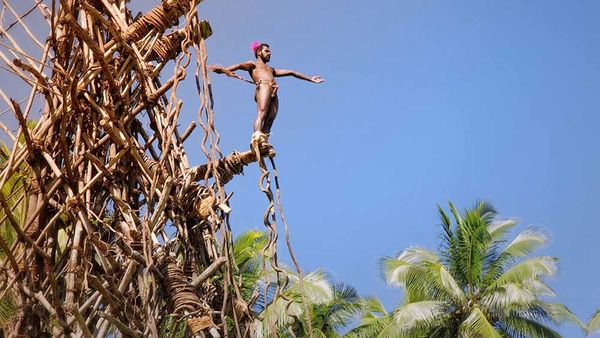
[476, 285]
[331, 306]
[593, 326]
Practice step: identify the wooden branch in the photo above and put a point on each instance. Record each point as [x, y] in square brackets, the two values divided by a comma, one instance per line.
[208, 272]
[121, 326]
[234, 160]
[104, 185]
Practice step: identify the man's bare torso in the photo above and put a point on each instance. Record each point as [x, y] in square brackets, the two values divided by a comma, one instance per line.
[261, 72]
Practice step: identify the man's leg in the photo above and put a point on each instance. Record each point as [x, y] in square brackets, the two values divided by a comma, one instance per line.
[272, 114]
[263, 98]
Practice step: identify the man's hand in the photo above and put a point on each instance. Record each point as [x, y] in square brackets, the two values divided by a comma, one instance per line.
[217, 69]
[316, 79]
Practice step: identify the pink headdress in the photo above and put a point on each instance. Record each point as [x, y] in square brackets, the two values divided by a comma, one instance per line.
[254, 46]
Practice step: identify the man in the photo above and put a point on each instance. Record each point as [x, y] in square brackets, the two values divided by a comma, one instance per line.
[266, 88]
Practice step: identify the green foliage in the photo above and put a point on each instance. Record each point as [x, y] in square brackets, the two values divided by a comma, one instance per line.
[16, 198]
[15, 195]
[8, 309]
[172, 328]
[328, 318]
[593, 326]
[286, 312]
[476, 285]
[249, 253]
[332, 307]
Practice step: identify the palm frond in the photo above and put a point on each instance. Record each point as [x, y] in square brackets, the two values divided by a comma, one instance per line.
[526, 242]
[540, 288]
[248, 247]
[477, 325]
[424, 280]
[486, 210]
[593, 326]
[424, 315]
[339, 312]
[16, 198]
[372, 305]
[446, 224]
[499, 229]
[317, 287]
[277, 317]
[443, 281]
[533, 268]
[560, 314]
[249, 253]
[370, 327]
[8, 308]
[525, 327]
[416, 255]
[507, 297]
[394, 270]
[279, 314]
[457, 217]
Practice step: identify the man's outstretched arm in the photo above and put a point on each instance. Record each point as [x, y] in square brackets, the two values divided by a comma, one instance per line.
[247, 66]
[286, 72]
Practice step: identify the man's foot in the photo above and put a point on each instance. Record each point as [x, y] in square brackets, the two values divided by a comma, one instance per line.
[260, 140]
[259, 137]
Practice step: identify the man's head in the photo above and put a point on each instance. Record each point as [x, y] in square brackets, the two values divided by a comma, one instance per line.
[262, 50]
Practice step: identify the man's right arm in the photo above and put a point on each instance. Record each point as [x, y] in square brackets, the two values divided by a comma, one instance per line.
[247, 66]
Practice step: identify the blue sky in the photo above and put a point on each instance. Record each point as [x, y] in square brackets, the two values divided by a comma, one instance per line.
[425, 102]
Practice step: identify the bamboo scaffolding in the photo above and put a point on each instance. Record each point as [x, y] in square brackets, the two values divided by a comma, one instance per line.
[120, 232]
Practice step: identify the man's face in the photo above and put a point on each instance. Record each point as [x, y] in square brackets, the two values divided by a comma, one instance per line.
[265, 54]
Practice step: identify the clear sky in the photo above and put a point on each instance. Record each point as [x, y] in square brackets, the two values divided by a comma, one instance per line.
[424, 102]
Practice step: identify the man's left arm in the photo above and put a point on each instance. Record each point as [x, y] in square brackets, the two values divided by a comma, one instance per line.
[286, 72]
